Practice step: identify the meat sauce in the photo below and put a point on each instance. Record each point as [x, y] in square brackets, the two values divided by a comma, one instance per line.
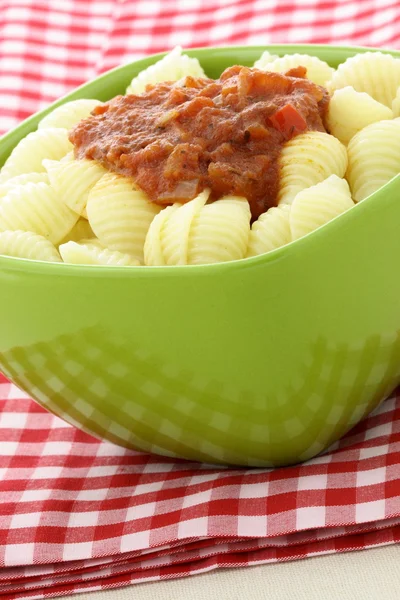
[179, 138]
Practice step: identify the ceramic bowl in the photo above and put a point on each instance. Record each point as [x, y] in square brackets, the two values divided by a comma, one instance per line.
[259, 362]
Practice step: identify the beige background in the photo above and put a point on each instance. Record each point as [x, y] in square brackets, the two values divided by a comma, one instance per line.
[367, 575]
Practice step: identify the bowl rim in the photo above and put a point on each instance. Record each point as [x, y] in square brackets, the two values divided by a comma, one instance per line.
[58, 268]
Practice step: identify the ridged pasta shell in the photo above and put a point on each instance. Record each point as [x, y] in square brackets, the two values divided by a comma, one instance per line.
[8, 185]
[25, 244]
[172, 67]
[396, 104]
[176, 231]
[308, 159]
[220, 231]
[318, 70]
[319, 204]
[35, 207]
[69, 114]
[265, 59]
[92, 254]
[350, 111]
[73, 180]
[94, 241]
[120, 214]
[270, 231]
[153, 252]
[374, 157]
[80, 231]
[29, 153]
[375, 73]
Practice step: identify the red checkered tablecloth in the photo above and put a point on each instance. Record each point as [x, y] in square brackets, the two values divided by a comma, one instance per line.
[48, 47]
[77, 514]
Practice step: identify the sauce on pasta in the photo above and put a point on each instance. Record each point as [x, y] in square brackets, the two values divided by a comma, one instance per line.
[179, 138]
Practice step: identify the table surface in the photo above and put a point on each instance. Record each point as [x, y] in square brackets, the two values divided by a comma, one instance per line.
[367, 575]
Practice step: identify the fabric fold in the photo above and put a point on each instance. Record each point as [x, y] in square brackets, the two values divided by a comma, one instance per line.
[79, 514]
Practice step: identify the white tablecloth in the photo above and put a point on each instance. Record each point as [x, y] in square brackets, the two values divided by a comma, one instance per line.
[367, 575]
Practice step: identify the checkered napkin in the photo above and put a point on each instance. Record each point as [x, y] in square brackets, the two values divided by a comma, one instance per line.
[77, 514]
[48, 47]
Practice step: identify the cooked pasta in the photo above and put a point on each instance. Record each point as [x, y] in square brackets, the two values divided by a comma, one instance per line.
[318, 71]
[69, 114]
[120, 214]
[28, 155]
[80, 231]
[73, 180]
[374, 157]
[25, 244]
[265, 59]
[35, 207]
[92, 254]
[21, 180]
[247, 138]
[220, 231]
[308, 159]
[172, 67]
[153, 247]
[176, 230]
[199, 233]
[396, 104]
[94, 241]
[351, 111]
[375, 73]
[270, 231]
[319, 204]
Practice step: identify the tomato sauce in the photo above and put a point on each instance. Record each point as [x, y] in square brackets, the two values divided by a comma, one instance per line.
[179, 138]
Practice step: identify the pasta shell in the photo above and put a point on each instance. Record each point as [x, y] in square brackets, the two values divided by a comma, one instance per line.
[92, 254]
[29, 153]
[120, 214]
[176, 230]
[80, 231]
[308, 159]
[265, 59]
[375, 73]
[396, 104]
[35, 207]
[318, 70]
[153, 252]
[69, 114]
[10, 184]
[270, 231]
[220, 231]
[25, 244]
[96, 242]
[319, 204]
[374, 157]
[172, 67]
[73, 180]
[351, 111]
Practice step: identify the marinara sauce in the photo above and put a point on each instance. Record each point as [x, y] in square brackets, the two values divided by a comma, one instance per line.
[179, 138]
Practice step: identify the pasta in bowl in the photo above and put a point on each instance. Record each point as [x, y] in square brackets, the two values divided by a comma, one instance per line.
[264, 357]
[186, 169]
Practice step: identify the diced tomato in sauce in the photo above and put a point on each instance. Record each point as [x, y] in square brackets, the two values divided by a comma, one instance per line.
[288, 121]
[176, 139]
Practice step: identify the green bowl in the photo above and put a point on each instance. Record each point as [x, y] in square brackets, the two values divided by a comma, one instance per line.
[261, 362]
